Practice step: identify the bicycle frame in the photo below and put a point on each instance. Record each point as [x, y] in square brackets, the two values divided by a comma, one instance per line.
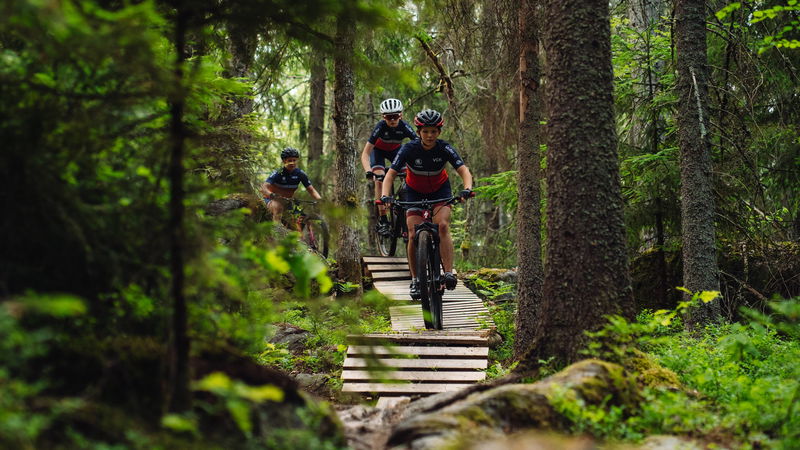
[429, 261]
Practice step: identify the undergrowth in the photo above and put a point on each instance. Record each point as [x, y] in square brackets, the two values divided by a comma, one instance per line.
[739, 384]
[329, 322]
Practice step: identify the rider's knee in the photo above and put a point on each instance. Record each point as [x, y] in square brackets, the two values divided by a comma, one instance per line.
[444, 228]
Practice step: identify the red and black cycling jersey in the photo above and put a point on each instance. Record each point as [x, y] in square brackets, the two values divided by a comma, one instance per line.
[426, 172]
[386, 138]
[289, 180]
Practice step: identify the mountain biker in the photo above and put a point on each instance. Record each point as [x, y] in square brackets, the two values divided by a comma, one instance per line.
[284, 182]
[425, 159]
[383, 145]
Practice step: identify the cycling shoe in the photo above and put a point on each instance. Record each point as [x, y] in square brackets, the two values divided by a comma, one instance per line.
[450, 281]
[414, 290]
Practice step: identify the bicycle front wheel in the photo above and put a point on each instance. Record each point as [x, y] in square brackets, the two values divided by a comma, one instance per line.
[387, 243]
[316, 235]
[428, 277]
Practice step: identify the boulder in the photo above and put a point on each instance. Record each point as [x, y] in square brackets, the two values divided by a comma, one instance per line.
[511, 408]
[291, 336]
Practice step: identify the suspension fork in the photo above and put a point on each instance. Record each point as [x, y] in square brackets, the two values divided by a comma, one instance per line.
[433, 229]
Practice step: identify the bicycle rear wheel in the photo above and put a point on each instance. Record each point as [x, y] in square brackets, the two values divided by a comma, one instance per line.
[428, 277]
[316, 235]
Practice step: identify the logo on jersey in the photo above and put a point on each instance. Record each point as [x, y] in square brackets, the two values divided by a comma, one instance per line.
[437, 159]
[418, 162]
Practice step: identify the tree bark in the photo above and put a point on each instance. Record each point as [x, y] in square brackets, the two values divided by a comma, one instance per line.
[179, 395]
[530, 272]
[345, 190]
[316, 114]
[700, 272]
[586, 271]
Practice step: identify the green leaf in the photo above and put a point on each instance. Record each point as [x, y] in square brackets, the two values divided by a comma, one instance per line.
[325, 282]
[55, 305]
[260, 394]
[240, 411]
[707, 296]
[177, 422]
[45, 79]
[276, 262]
[214, 382]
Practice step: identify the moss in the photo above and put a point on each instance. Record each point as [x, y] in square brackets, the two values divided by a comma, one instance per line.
[488, 274]
[649, 373]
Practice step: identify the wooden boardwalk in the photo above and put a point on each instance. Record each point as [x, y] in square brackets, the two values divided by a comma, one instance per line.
[412, 360]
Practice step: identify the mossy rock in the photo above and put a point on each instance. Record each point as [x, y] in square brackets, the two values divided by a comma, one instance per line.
[516, 407]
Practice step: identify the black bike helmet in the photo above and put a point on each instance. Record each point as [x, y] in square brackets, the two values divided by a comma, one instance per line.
[290, 152]
[428, 118]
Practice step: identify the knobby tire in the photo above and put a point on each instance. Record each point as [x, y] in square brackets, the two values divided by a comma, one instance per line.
[427, 273]
[316, 235]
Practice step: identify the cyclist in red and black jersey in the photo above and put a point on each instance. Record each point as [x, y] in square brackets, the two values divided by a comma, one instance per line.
[382, 146]
[425, 159]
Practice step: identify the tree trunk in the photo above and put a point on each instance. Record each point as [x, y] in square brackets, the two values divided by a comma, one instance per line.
[345, 190]
[179, 395]
[316, 115]
[586, 272]
[697, 201]
[529, 250]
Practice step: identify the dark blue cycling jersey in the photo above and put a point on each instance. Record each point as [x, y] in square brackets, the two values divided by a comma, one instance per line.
[289, 180]
[386, 138]
[426, 172]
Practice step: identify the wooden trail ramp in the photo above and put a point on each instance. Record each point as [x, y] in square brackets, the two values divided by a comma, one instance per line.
[412, 360]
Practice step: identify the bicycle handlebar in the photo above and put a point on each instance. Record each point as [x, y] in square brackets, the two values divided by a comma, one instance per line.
[292, 199]
[381, 177]
[429, 203]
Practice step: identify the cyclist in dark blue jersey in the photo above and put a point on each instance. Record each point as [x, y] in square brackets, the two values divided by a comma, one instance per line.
[424, 160]
[382, 146]
[284, 182]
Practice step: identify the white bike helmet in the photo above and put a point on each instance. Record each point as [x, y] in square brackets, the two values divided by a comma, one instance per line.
[391, 105]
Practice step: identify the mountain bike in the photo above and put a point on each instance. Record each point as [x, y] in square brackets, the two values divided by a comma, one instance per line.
[429, 261]
[313, 229]
[396, 215]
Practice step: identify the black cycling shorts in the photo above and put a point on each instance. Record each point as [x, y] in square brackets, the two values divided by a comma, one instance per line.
[378, 158]
[445, 191]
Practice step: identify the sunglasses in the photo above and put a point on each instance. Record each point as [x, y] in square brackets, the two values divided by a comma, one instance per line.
[391, 116]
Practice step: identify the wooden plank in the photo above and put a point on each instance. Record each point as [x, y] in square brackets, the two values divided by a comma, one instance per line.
[351, 363]
[384, 259]
[478, 338]
[383, 267]
[412, 375]
[418, 351]
[409, 388]
[400, 275]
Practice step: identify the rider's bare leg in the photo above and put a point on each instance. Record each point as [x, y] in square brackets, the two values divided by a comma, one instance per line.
[411, 249]
[276, 208]
[378, 171]
[441, 216]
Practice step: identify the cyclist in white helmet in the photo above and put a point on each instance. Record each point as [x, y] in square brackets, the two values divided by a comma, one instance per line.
[382, 145]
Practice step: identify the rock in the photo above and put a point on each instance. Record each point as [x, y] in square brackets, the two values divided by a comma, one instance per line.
[510, 408]
[537, 440]
[316, 383]
[367, 427]
[509, 276]
[227, 204]
[660, 442]
[495, 339]
[293, 337]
